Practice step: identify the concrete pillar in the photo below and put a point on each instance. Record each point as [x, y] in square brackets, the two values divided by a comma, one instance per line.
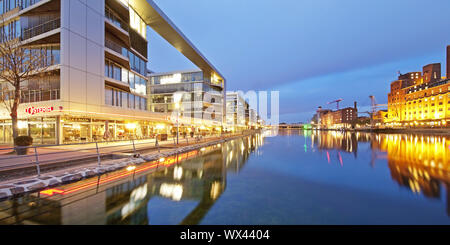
[59, 131]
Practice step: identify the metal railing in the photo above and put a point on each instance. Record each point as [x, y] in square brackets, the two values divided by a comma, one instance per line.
[28, 3]
[116, 47]
[38, 156]
[40, 29]
[30, 96]
[116, 20]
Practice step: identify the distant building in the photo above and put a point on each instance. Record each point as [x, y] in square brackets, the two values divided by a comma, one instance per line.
[431, 73]
[380, 117]
[424, 101]
[448, 61]
[202, 98]
[343, 118]
[236, 106]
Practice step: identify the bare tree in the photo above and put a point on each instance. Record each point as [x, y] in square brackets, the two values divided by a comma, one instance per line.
[18, 63]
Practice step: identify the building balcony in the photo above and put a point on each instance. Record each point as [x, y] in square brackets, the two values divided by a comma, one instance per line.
[31, 96]
[117, 53]
[34, 96]
[117, 84]
[28, 5]
[117, 26]
[41, 29]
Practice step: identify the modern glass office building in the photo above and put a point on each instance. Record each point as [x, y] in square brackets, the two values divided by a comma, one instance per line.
[96, 84]
[236, 107]
[200, 98]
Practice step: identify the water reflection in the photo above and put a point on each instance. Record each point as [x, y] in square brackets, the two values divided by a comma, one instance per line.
[307, 177]
[419, 163]
[124, 197]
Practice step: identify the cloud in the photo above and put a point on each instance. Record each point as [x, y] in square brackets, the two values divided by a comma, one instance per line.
[312, 50]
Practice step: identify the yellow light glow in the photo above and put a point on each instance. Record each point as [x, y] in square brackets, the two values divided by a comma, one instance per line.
[160, 126]
[22, 125]
[131, 126]
[131, 168]
[124, 2]
[137, 23]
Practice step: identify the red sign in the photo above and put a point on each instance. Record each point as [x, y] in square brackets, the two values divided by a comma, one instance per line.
[36, 110]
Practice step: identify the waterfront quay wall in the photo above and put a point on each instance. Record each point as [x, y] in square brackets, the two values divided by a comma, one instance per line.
[425, 131]
[26, 185]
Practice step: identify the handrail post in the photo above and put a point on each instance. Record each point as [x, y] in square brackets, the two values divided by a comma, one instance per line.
[157, 144]
[37, 162]
[98, 154]
[134, 147]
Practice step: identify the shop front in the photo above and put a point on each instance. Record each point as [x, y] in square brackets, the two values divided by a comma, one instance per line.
[41, 129]
[77, 130]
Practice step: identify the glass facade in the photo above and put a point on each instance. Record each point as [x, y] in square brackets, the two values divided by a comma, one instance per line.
[137, 23]
[10, 30]
[42, 129]
[138, 84]
[8, 5]
[177, 78]
[115, 19]
[199, 100]
[94, 130]
[119, 98]
[235, 110]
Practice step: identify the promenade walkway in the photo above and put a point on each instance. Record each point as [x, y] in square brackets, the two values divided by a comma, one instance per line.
[87, 153]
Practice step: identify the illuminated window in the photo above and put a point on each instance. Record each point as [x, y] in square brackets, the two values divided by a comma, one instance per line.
[137, 23]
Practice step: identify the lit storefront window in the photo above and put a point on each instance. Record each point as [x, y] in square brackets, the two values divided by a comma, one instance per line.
[42, 130]
[76, 130]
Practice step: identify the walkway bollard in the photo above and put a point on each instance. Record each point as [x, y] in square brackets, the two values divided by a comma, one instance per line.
[98, 154]
[38, 167]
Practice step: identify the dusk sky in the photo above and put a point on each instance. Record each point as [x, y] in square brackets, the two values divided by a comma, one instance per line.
[312, 51]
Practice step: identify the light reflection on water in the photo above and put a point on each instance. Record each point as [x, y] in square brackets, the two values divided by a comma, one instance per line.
[297, 177]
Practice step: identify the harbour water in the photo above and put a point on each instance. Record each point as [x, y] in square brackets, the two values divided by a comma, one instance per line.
[294, 177]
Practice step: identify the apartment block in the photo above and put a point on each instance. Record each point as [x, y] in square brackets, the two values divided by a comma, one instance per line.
[96, 86]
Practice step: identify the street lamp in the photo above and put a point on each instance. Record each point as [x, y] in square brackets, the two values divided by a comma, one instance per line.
[177, 101]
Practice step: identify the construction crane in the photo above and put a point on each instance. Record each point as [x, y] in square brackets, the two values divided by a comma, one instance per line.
[336, 101]
[374, 104]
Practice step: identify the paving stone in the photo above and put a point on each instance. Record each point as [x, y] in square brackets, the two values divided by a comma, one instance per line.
[90, 173]
[37, 186]
[77, 177]
[3, 194]
[66, 178]
[17, 190]
[6, 186]
[54, 182]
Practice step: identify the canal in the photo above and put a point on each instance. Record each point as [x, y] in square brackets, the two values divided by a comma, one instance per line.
[295, 177]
